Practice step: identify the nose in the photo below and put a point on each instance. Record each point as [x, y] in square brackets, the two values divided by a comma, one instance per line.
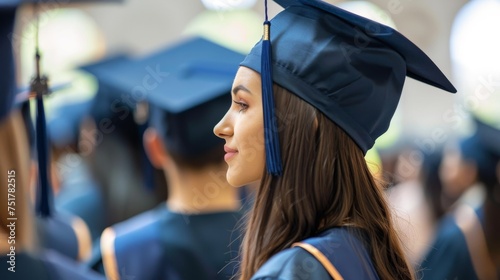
[224, 128]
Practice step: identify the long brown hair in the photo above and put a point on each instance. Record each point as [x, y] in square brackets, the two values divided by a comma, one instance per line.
[325, 183]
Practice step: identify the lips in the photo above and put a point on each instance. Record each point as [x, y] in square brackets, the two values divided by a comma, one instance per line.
[229, 153]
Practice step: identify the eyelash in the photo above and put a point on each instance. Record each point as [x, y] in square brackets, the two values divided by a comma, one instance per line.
[243, 106]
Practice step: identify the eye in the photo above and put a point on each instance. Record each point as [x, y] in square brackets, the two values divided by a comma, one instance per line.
[242, 106]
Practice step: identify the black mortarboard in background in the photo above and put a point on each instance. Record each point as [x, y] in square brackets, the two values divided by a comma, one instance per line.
[194, 96]
[187, 86]
[7, 76]
[351, 68]
[483, 147]
[489, 136]
[110, 101]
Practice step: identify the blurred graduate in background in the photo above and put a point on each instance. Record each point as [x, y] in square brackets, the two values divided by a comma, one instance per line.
[27, 258]
[467, 245]
[77, 192]
[194, 234]
[26, 254]
[111, 143]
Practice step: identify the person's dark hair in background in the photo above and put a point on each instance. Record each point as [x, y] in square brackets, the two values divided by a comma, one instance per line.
[111, 142]
[193, 234]
[432, 184]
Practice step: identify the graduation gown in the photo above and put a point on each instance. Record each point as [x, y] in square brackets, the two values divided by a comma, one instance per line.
[66, 234]
[341, 246]
[161, 244]
[459, 250]
[82, 197]
[48, 265]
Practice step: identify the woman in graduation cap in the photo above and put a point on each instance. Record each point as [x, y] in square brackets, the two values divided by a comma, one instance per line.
[302, 118]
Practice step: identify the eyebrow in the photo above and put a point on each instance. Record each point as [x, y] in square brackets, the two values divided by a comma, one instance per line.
[240, 87]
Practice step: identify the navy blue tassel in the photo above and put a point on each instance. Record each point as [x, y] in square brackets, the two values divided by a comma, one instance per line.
[44, 188]
[273, 153]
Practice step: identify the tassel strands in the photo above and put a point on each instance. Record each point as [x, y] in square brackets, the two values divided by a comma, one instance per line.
[273, 153]
[44, 193]
[39, 88]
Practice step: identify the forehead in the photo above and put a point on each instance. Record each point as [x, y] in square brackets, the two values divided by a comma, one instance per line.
[247, 77]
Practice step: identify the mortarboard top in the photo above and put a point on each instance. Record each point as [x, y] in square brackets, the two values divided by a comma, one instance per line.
[194, 96]
[196, 71]
[351, 68]
[183, 84]
[101, 105]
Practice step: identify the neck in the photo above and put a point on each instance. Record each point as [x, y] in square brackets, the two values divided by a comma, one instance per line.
[200, 191]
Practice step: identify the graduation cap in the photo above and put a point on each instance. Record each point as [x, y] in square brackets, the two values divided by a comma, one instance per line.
[488, 136]
[186, 86]
[194, 96]
[350, 68]
[108, 92]
[7, 78]
[483, 148]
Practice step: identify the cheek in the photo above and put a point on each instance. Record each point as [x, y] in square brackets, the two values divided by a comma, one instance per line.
[249, 164]
[251, 142]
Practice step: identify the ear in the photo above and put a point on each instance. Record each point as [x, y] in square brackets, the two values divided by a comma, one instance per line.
[154, 148]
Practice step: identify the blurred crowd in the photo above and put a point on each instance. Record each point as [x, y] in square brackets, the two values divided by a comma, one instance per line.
[110, 178]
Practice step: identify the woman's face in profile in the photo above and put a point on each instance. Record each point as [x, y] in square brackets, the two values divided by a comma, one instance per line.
[243, 129]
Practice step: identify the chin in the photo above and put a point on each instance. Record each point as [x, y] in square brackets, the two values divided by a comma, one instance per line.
[239, 180]
[235, 182]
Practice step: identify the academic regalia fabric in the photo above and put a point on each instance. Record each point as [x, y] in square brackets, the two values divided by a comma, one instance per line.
[460, 250]
[47, 265]
[341, 246]
[448, 256]
[81, 196]
[161, 244]
[65, 233]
